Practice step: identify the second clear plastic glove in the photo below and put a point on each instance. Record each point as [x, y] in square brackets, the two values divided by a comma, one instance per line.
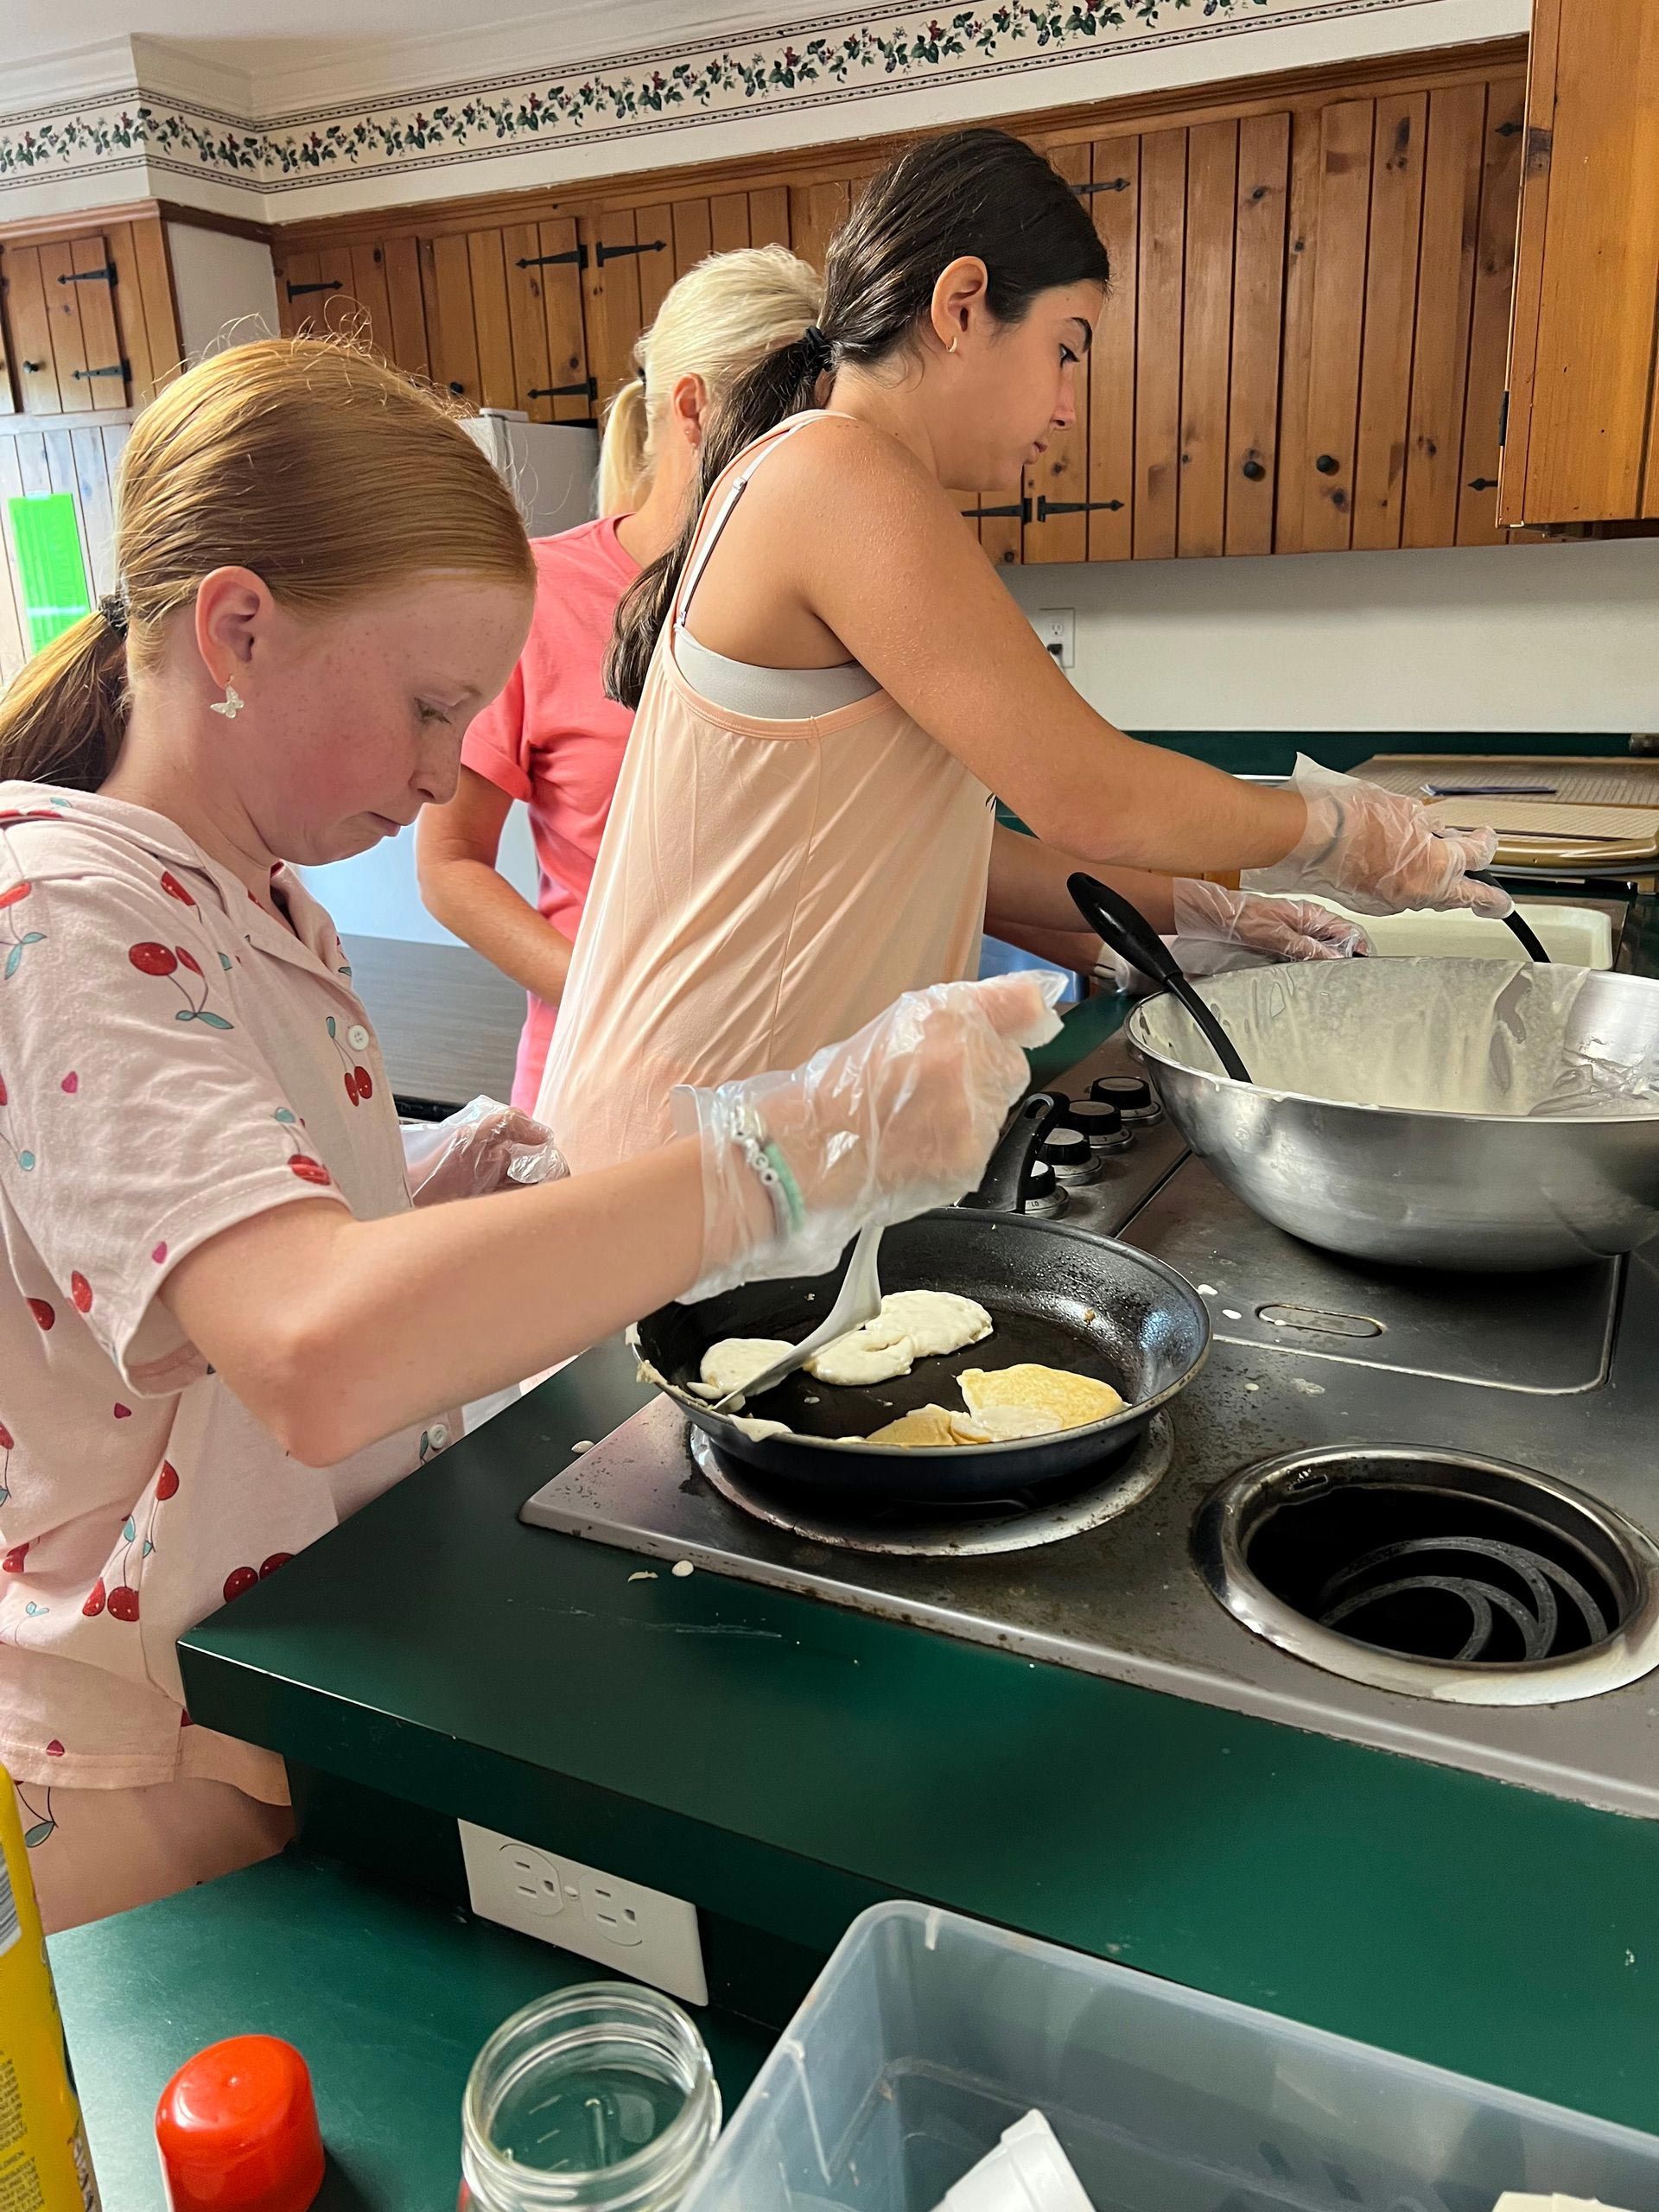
[484, 1148]
[901, 1117]
[1379, 852]
[1217, 930]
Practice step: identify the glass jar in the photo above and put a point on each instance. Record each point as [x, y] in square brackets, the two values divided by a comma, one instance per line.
[596, 2099]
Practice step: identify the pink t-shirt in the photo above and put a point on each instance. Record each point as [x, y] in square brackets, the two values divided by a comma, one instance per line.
[173, 1061]
[554, 741]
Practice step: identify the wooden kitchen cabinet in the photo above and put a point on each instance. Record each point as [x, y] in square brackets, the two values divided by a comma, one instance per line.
[1303, 347]
[91, 326]
[1582, 442]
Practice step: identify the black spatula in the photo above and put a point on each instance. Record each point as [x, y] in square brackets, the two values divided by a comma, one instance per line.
[1129, 934]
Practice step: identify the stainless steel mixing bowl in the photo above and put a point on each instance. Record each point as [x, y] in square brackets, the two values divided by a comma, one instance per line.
[1516, 1128]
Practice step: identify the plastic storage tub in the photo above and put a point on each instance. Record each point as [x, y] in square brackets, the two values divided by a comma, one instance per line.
[927, 2035]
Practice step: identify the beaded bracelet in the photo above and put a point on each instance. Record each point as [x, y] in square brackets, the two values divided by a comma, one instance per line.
[766, 1163]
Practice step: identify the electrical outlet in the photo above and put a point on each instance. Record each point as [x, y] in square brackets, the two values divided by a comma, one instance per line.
[1058, 628]
[640, 1932]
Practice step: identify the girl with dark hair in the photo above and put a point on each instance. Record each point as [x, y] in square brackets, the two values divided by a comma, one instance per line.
[831, 682]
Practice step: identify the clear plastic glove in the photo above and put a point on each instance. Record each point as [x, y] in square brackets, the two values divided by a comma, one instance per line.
[1379, 852]
[1217, 930]
[901, 1117]
[480, 1149]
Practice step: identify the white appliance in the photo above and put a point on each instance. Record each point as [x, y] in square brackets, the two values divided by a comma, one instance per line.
[553, 468]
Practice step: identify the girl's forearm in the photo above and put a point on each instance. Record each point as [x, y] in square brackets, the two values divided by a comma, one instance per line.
[383, 1322]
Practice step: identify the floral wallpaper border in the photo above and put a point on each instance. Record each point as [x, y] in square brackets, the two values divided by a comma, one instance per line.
[853, 55]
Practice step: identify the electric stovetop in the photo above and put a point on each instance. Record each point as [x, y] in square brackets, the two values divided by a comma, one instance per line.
[1555, 1373]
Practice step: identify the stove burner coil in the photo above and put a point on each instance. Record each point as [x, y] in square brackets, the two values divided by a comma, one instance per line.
[1354, 1591]
[1439, 1574]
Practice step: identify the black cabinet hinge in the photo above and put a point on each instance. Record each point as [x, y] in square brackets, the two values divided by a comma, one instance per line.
[1021, 510]
[1114, 184]
[588, 389]
[121, 369]
[1481, 484]
[104, 276]
[577, 258]
[1047, 507]
[328, 284]
[603, 253]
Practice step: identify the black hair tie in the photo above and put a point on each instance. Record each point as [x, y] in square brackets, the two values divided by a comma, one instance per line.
[113, 607]
[820, 348]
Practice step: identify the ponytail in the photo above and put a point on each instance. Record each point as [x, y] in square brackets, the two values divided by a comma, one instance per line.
[62, 715]
[976, 193]
[622, 466]
[780, 385]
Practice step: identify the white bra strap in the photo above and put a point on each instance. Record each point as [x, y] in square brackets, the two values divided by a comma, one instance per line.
[735, 488]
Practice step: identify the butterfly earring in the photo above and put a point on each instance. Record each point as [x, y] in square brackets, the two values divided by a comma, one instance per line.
[230, 706]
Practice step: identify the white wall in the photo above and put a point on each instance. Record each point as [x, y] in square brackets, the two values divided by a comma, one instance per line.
[224, 285]
[1554, 638]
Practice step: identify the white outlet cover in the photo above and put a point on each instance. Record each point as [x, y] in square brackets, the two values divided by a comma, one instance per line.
[644, 1933]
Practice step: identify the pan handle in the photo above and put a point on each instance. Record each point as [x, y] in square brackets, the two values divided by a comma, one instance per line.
[1002, 1189]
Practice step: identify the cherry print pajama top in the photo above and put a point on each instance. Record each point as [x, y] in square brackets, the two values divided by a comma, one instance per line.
[172, 1061]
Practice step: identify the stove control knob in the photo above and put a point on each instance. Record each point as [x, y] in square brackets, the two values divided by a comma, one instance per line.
[1071, 1156]
[1045, 1197]
[1130, 1094]
[1101, 1124]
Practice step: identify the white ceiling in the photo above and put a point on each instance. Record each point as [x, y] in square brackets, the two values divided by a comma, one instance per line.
[321, 33]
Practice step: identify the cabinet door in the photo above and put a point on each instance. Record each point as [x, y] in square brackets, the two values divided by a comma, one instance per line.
[1581, 360]
[1115, 202]
[31, 330]
[1161, 255]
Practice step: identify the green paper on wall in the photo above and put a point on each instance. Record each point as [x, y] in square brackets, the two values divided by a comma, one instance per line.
[50, 566]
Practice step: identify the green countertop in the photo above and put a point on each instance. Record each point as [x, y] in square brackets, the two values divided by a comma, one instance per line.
[389, 2000]
[784, 1763]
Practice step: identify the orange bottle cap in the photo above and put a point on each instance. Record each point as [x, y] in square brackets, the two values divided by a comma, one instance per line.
[237, 2129]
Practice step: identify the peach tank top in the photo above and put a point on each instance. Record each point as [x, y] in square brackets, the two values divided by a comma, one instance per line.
[764, 888]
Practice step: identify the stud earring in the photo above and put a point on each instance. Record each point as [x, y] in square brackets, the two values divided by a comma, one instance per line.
[230, 706]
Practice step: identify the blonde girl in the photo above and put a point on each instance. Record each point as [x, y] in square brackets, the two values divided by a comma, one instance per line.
[553, 739]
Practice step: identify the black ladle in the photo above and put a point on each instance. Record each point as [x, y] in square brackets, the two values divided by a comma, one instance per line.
[1129, 934]
[1530, 943]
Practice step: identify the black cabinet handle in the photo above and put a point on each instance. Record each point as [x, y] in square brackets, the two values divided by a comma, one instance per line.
[33, 368]
[588, 389]
[458, 388]
[1252, 470]
[1327, 464]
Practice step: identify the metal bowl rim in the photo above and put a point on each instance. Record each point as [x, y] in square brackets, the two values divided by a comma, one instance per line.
[1150, 1057]
[718, 1427]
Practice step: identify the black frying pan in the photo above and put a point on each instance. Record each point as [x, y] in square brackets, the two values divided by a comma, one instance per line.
[1059, 1295]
